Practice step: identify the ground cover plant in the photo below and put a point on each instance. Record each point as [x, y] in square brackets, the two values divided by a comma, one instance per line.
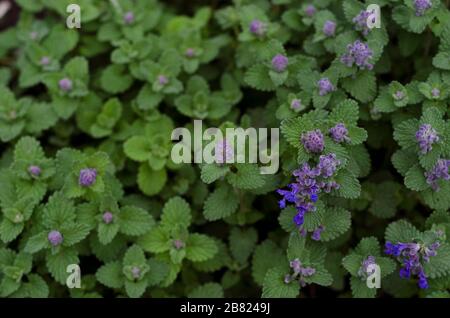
[87, 177]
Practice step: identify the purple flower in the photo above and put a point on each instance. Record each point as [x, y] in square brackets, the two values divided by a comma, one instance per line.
[358, 53]
[328, 165]
[45, 60]
[128, 17]
[430, 251]
[296, 104]
[339, 133]
[426, 136]
[190, 52]
[439, 171]
[329, 28]
[287, 279]
[391, 249]
[309, 182]
[360, 22]
[279, 63]
[363, 270]
[33, 35]
[399, 95]
[411, 256]
[325, 86]
[107, 217]
[299, 272]
[136, 272]
[178, 244]
[422, 6]
[299, 219]
[328, 186]
[223, 152]
[258, 27]
[310, 10]
[65, 84]
[317, 232]
[296, 266]
[35, 171]
[162, 80]
[313, 141]
[423, 283]
[435, 92]
[55, 238]
[87, 177]
[308, 271]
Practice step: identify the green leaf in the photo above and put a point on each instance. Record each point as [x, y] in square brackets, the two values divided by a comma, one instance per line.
[257, 78]
[212, 172]
[349, 185]
[401, 231]
[36, 243]
[246, 177]
[363, 87]
[357, 135]
[221, 203]
[134, 256]
[439, 265]
[345, 112]
[415, 179]
[137, 148]
[403, 161]
[385, 199]
[111, 275]
[286, 219]
[107, 232]
[405, 133]
[9, 230]
[58, 211]
[60, 41]
[36, 287]
[57, 264]
[135, 221]
[176, 212]
[336, 222]
[275, 287]
[77, 68]
[158, 271]
[220, 259]
[442, 61]
[267, 255]
[359, 160]
[74, 233]
[151, 181]
[208, 290]
[114, 79]
[321, 277]
[360, 289]
[352, 263]
[242, 243]
[156, 240]
[8, 286]
[200, 247]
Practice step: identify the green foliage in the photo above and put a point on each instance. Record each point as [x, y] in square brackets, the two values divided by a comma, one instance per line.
[87, 175]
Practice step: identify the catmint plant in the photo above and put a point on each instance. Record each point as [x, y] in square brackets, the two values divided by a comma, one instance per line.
[90, 176]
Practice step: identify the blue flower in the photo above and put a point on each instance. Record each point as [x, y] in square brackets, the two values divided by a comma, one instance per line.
[411, 256]
[309, 182]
